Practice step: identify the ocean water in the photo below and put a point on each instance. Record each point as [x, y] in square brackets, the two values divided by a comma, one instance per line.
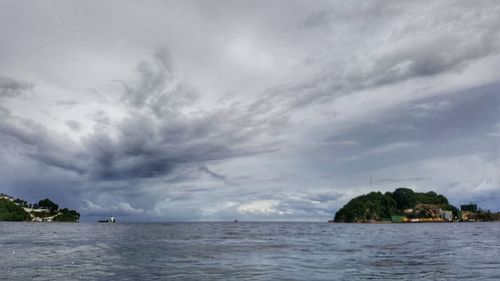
[249, 251]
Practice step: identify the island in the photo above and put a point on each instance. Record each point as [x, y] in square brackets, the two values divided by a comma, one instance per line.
[15, 209]
[405, 205]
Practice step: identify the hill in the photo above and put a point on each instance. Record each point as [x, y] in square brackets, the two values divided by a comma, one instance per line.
[376, 206]
[15, 209]
[9, 211]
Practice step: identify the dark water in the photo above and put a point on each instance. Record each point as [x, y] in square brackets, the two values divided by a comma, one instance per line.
[249, 251]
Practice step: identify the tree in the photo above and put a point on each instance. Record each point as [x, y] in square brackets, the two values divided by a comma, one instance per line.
[9, 211]
[372, 206]
[48, 204]
[21, 202]
[405, 198]
[66, 215]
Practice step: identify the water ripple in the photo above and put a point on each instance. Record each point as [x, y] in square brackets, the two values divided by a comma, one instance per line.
[249, 251]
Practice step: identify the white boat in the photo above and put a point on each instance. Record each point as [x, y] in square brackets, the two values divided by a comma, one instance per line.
[110, 220]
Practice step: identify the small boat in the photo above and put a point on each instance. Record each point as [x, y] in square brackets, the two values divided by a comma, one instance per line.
[110, 220]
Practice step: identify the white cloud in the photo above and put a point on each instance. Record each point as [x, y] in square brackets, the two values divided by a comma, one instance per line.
[121, 208]
[259, 207]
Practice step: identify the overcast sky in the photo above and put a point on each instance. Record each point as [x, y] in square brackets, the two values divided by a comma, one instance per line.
[250, 110]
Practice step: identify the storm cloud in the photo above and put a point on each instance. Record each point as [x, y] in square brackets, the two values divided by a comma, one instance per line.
[153, 138]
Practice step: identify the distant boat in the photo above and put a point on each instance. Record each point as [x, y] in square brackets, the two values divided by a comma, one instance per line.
[110, 220]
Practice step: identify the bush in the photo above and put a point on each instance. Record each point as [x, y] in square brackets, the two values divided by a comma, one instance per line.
[48, 204]
[66, 215]
[9, 211]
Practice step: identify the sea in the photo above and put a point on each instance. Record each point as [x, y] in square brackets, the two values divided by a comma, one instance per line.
[249, 251]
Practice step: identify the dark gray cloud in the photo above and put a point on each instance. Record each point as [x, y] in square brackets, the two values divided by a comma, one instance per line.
[73, 125]
[411, 55]
[145, 145]
[11, 88]
[37, 142]
[66, 102]
[406, 181]
[152, 86]
[446, 125]
[413, 60]
[212, 173]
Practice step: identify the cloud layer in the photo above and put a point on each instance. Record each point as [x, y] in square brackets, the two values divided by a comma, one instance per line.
[190, 111]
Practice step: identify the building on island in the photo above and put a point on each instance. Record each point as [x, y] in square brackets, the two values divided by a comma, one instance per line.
[468, 208]
[468, 212]
[447, 215]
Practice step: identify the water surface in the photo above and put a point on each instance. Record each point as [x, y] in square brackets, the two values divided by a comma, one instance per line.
[249, 251]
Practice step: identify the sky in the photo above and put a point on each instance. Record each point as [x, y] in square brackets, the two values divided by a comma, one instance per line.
[249, 110]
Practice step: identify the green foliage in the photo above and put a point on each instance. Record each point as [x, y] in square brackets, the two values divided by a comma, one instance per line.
[14, 211]
[431, 198]
[487, 215]
[453, 209]
[23, 203]
[9, 211]
[48, 204]
[377, 206]
[373, 206]
[405, 198]
[66, 215]
[43, 214]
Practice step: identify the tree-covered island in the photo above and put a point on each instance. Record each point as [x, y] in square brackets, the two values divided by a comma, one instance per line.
[405, 205]
[15, 209]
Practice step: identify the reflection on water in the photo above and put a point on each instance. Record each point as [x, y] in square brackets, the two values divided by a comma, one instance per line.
[249, 251]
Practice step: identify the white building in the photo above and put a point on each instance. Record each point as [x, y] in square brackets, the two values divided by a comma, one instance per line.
[447, 215]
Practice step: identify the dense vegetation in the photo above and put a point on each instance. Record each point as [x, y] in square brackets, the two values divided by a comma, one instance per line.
[377, 206]
[47, 204]
[9, 211]
[372, 206]
[66, 215]
[14, 211]
[487, 215]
